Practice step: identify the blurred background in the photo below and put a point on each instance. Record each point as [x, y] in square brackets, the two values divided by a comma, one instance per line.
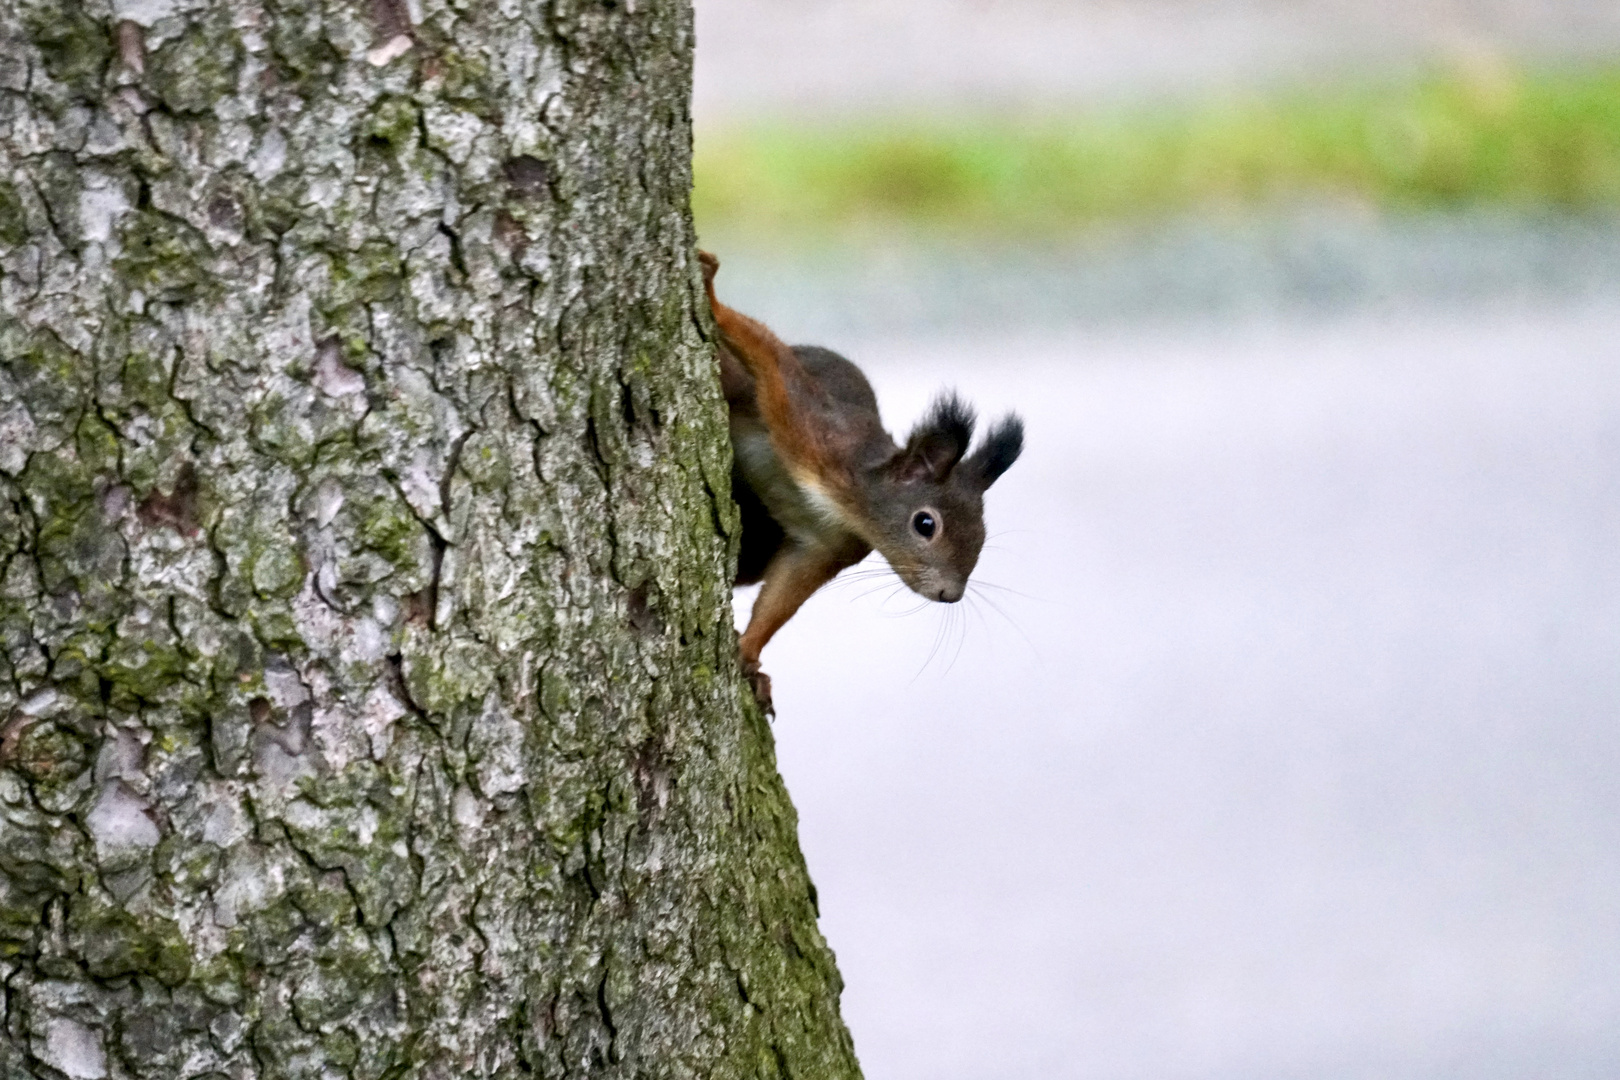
[1280, 736]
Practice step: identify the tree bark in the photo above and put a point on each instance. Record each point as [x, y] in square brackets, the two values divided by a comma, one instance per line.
[368, 700]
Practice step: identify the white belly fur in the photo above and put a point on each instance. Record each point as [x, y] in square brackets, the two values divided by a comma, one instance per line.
[805, 510]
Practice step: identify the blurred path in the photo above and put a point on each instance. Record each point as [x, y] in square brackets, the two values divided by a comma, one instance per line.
[1283, 737]
[1323, 264]
[757, 56]
[1300, 756]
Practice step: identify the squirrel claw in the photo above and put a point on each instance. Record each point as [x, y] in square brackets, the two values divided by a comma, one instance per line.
[760, 684]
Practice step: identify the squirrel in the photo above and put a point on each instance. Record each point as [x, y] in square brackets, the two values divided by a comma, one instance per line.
[822, 483]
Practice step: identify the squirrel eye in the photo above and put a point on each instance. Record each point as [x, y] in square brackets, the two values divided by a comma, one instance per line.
[924, 523]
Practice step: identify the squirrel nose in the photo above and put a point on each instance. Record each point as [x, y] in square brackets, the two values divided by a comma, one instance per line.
[949, 594]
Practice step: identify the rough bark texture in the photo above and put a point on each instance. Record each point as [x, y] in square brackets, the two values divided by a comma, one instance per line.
[367, 701]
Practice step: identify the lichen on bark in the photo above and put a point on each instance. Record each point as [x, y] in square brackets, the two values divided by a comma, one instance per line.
[367, 696]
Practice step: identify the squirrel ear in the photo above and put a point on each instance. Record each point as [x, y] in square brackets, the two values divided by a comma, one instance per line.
[938, 442]
[1000, 449]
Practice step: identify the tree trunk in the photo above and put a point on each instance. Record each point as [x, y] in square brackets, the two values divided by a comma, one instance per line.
[368, 701]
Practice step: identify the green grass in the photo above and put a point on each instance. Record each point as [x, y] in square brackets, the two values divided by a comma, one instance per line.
[1546, 140]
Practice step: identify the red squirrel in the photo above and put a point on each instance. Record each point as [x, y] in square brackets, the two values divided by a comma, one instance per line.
[822, 484]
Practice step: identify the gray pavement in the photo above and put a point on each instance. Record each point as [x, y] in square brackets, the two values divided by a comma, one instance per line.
[1282, 739]
[820, 56]
[1325, 262]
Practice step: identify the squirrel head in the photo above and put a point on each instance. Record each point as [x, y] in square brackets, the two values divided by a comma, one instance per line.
[925, 503]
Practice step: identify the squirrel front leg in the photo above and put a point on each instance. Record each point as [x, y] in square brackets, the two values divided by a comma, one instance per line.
[790, 579]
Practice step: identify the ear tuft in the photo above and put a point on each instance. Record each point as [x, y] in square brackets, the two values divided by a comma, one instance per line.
[938, 441]
[1000, 449]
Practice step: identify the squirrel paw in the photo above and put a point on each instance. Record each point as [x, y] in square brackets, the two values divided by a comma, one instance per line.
[760, 684]
[710, 264]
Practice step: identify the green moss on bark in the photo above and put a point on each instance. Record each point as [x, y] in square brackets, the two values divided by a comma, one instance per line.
[368, 701]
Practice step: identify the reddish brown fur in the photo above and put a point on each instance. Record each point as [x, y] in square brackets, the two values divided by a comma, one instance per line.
[806, 433]
[772, 366]
[761, 388]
